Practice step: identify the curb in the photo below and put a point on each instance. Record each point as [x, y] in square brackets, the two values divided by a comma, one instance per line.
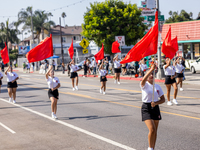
[123, 78]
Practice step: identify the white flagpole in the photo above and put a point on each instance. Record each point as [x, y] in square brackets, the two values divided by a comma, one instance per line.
[154, 80]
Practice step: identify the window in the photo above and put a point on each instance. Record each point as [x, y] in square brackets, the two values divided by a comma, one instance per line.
[74, 37]
[63, 39]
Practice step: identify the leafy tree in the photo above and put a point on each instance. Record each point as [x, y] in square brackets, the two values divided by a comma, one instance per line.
[40, 20]
[175, 17]
[105, 20]
[63, 16]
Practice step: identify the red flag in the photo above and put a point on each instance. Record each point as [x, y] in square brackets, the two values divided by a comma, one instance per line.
[146, 46]
[115, 47]
[71, 50]
[42, 51]
[169, 47]
[4, 55]
[100, 54]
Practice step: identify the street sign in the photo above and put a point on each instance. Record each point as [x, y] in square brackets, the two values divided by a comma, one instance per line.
[148, 12]
[121, 40]
[85, 51]
[84, 43]
[143, 3]
[151, 4]
[152, 18]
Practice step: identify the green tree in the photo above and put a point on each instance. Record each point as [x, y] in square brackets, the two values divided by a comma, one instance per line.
[176, 17]
[40, 19]
[105, 20]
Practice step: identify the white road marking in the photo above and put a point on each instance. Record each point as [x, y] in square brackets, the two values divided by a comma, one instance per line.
[13, 132]
[74, 127]
[193, 89]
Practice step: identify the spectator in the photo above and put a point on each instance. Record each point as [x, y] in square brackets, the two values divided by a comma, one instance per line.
[15, 63]
[33, 65]
[94, 66]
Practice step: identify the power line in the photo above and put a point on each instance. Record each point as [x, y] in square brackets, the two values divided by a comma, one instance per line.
[7, 16]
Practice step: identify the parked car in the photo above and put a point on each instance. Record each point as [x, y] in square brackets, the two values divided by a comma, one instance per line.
[195, 65]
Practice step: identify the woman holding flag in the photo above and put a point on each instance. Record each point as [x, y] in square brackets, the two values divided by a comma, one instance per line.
[150, 109]
[179, 71]
[53, 85]
[117, 68]
[74, 74]
[12, 77]
[170, 81]
[103, 79]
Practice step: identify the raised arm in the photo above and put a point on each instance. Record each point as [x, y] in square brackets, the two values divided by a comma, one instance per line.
[148, 74]
[7, 70]
[47, 74]
[115, 57]
[168, 63]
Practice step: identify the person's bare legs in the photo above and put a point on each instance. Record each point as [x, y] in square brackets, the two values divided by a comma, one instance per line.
[14, 93]
[168, 86]
[73, 82]
[10, 92]
[76, 81]
[175, 89]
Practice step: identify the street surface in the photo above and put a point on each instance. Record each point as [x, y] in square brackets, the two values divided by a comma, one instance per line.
[89, 120]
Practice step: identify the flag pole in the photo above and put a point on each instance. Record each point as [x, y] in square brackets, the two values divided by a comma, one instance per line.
[154, 79]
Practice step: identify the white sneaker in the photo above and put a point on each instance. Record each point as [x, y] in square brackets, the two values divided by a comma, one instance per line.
[14, 101]
[76, 88]
[181, 89]
[52, 115]
[115, 81]
[104, 93]
[10, 100]
[55, 117]
[169, 103]
[118, 82]
[175, 101]
[150, 148]
[73, 89]
[101, 91]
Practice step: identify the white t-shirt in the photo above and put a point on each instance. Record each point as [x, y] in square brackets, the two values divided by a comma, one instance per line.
[74, 68]
[117, 64]
[102, 72]
[179, 68]
[11, 76]
[147, 92]
[28, 65]
[170, 70]
[143, 67]
[94, 64]
[1, 75]
[55, 82]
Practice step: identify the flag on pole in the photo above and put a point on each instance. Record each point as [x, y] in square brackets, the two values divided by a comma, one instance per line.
[115, 47]
[71, 50]
[100, 54]
[4, 55]
[169, 47]
[42, 51]
[146, 46]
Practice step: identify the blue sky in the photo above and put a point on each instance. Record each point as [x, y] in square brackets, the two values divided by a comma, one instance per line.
[75, 12]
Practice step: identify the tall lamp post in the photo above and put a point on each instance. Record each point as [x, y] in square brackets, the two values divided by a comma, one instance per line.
[62, 48]
[160, 74]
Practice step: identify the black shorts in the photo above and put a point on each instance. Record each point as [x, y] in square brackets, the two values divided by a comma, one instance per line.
[179, 75]
[149, 112]
[0, 82]
[168, 80]
[118, 70]
[103, 79]
[54, 94]
[124, 67]
[74, 75]
[12, 85]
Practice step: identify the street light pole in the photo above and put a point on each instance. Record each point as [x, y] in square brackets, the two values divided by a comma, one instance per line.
[62, 46]
[160, 72]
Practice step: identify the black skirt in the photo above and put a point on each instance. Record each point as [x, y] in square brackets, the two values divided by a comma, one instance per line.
[0, 82]
[117, 70]
[74, 75]
[54, 94]
[149, 112]
[103, 79]
[168, 80]
[12, 85]
[179, 75]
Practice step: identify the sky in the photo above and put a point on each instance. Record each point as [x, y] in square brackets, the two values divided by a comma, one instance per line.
[75, 12]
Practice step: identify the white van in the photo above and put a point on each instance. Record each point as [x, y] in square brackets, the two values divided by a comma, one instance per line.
[195, 65]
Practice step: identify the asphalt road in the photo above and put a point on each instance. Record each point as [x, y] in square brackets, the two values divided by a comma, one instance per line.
[89, 120]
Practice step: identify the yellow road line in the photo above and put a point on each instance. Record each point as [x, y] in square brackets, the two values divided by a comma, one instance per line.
[86, 96]
[135, 91]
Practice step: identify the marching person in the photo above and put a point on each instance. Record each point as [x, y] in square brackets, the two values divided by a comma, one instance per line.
[150, 109]
[53, 85]
[107, 65]
[117, 68]
[1, 77]
[74, 74]
[170, 74]
[179, 71]
[103, 79]
[12, 78]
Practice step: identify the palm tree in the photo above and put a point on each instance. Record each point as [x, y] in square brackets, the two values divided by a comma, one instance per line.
[63, 16]
[40, 20]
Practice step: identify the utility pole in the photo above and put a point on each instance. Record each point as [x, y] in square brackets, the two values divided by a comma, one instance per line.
[160, 74]
[32, 25]
[61, 46]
